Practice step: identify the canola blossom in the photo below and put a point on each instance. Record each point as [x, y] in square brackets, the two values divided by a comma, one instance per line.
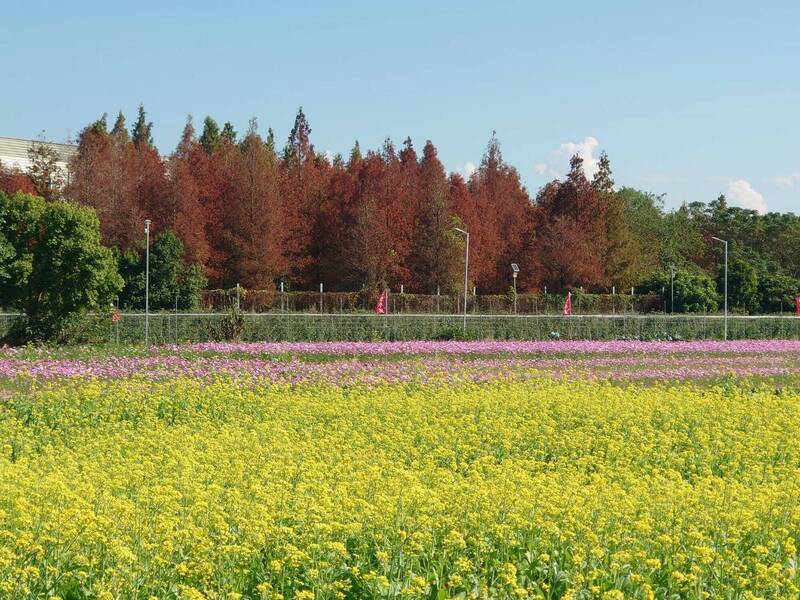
[235, 488]
[443, 470]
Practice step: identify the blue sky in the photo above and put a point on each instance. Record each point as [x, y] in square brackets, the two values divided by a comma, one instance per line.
[689, 99]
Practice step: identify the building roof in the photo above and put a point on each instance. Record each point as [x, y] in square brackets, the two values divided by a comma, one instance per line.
[14, 151]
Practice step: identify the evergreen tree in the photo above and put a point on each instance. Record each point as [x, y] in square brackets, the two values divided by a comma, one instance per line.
[210, 137]
[299, 146]
[355, 154]
[142, 132]
[602, 180]
[119, 131]
[171, 277]
[228, 133]
[187, 137]
[101, 125]
[742, 285]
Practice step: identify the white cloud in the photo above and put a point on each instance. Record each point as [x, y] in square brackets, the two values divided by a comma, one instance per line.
[467, 169]
[743, 194]
[786, 182]
[557, 164]
[329, 156]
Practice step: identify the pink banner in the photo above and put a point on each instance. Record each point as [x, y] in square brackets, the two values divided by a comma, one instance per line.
[380, 307]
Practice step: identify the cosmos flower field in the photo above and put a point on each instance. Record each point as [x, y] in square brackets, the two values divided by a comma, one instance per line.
[402, 470]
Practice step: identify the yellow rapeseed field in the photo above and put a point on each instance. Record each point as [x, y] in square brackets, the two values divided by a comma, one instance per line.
[233, 488]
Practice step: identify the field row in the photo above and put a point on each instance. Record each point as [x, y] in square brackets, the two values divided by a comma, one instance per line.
[234, 488]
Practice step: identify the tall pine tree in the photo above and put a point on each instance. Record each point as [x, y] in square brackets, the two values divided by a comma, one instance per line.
[142, 132]
[210, 137]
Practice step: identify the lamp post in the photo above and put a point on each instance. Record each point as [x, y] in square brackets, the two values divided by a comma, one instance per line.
[515, 272]
[672, 290]
[466, 273]
[147, 284]
[726, 283]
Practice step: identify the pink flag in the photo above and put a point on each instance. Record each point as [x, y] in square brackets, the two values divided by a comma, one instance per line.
[568, 304]
[380, 307]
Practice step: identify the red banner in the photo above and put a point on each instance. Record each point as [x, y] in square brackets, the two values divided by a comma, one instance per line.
[380, 307]
[568, 304]
[797, 306]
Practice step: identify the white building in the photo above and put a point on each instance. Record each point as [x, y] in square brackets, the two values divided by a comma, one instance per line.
[14, 154]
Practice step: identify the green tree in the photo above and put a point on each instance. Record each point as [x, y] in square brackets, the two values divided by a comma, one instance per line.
[682, 239]
[270, 141]
[355, 154]
[210, 137]
[54, 267]
[228, 133]
[644, 215]
[777, 291]
[170, 277]
[695, 291]
[100, 126]
[20, 216]
[119, 131]
[142, 132]
[742, 285]
[299, 148]
[602, 180]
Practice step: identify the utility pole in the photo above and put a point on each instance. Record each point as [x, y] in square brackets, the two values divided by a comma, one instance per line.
[515, 272]
[672, 290]
[147, 284]
[726, 284]
[466, 273]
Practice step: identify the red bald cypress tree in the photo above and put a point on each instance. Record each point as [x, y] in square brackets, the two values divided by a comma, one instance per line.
[302, 187]
[251, 214]
[187, 217]
[570, 246]
[105, 175]
[436, 249]
[504, 229]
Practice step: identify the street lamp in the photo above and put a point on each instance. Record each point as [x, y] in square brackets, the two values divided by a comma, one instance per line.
[515, 272]
[466, 272]
[672, 290]
[147, 284]
[726, 283]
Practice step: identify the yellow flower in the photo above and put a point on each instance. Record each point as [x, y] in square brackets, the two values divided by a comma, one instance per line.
[418, 585]
[508, 574]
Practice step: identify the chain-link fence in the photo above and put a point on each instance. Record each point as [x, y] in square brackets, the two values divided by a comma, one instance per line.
[195, 327]
[440, 304]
